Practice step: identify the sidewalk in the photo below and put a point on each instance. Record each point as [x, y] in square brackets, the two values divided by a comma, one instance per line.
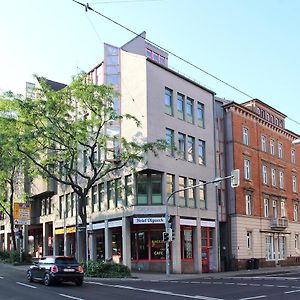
[241, 273]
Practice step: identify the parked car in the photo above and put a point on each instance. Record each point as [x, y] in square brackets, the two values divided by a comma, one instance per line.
[54, 269]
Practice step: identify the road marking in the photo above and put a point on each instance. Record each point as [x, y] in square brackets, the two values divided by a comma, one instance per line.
[255, 297]
[290, 292]
[1, 277]
[268, 285]
[27, 285]
[70, 297]
[153, 291]
[282, 286]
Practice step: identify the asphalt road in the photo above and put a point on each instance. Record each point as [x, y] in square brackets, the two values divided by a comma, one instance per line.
[13, 285]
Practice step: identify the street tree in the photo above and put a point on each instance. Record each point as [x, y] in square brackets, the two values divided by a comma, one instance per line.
[70, 136]
[12, 163]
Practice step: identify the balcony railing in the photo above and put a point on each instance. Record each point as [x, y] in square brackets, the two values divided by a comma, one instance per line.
[279, 223]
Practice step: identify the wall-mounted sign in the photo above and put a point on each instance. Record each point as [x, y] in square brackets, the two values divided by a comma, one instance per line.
[188, 222]
[117, 223]
[68, 230]
[22, 213]
[205, 223]
[154, 220]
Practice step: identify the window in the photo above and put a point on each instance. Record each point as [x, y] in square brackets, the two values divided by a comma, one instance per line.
[149, 188]
[297, 241]
[128, 190]
[187, 244]
[202, 195]
[265, 174]
[101, 205]
[170, 188]
[200, 114]
[245, 136]
[191, 193]
[60, 210]
[181, 146]
[170, 141]
[295, 210]
[272, 147]
[275, 248]
[168, 102]
[182, 194]
[180, 106]
[248, 200]
[281, 179]
[157, 245]
[85, 160]
[139, 245]
[111, 194]
[280, 150]
[266, 208]
[190, 110]
[201, 152]
[294, 183]
[142, 194]
[283, 209]
[270, 255]
[73, 204]
[191, 148]
[274, 207]
[249, 240]
[263, 143]
[118, 193]
[94, 197]
[273, 176]
[247, 169]
[293, 156]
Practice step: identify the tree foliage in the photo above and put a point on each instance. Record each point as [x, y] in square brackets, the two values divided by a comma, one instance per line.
[60, 131]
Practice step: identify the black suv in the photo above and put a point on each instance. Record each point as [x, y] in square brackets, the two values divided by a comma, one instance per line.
[53, 269]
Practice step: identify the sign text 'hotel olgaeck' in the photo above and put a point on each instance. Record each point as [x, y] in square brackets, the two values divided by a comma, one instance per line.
[159, 220]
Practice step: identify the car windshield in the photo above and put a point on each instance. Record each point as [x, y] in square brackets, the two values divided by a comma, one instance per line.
[66, 260]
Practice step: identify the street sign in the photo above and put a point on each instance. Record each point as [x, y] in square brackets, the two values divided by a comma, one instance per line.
[22, 213]
[235, 178]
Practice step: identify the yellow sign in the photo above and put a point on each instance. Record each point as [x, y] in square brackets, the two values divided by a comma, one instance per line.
[68, 230]
[22, 213]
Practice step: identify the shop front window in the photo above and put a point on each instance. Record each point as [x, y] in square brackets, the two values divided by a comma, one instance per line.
[187, 244]
[139, 245]
[157, 245]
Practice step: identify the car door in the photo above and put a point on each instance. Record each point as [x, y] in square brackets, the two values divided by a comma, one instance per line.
[40, 270]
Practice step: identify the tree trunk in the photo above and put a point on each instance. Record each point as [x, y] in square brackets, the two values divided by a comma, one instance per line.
[82, 245]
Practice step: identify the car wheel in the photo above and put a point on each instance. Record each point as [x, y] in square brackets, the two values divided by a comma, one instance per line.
[79, 282]
[47, 279]
[29, 276]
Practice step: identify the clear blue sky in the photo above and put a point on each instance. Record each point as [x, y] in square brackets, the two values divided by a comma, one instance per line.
[251, 44]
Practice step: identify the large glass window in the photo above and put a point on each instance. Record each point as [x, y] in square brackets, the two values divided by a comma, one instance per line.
[246, 169]
[181, 146]
[266, 207]
[101, 205]
[139, 245]
[200, 114]
[170, 141]
[142, 194]
[281, 179]
[180, 106]
[73, 204]
[111, 194]
[191, 148]
[248, 200]
[94, 198]
[157, 245]
[191, 193]
[202, 195]
[170, 187]
[60, 210]
[168, 102]
[182, 194]
[190, 110]
[118, 192]
[201, 152]
[128, 190]
[187, 244]
[263, 143]
[156, 188]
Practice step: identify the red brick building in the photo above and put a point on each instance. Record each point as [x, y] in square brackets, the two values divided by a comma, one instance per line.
[263, 220]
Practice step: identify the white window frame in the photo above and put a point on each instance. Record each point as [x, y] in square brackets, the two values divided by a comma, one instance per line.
[247, 171]
[266, 207]
[272, 146]
[274, 209]
[296, 211]
[281, 179]
[245, 136]
[297, 242]
[263, 143]
[273, 176]
[280, 150]
[249, 240]
[294, 183]
[248, 203]
[283, 208]
[265, 174]
[293, 156]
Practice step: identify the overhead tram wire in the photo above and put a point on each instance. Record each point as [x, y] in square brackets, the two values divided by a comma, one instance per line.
[122, 1]
[88, 7]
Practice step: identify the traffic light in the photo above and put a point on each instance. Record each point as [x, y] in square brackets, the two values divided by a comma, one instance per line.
[165, 236]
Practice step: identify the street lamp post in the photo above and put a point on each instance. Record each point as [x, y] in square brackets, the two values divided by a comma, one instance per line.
[235, 180]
